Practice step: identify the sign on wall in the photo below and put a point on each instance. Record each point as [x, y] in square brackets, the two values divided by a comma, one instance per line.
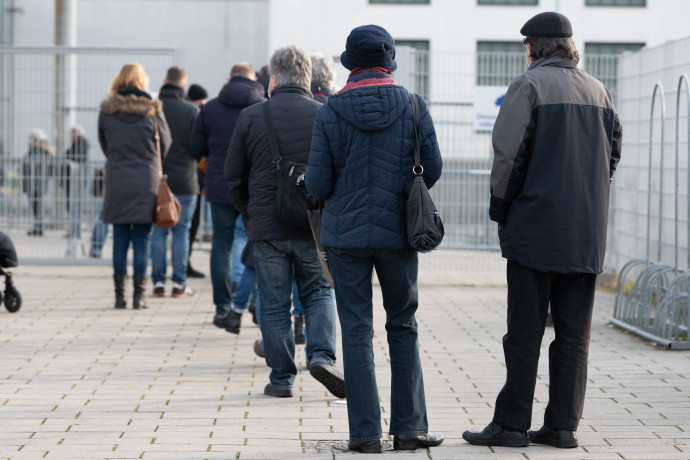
[487, 101]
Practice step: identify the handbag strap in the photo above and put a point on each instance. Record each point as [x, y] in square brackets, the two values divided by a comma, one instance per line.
[417, 169]
[158, 144]
[272, 141]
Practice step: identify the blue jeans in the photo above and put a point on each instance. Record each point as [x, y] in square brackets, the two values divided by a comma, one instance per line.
[237, 247]
[397, 274]
[274, 262]
[139, 235]
[98, 236]
[297, 308]
[180, 244]
[245, 290]
[223, 217]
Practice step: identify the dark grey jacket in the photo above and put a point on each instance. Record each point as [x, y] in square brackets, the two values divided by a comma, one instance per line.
[557, 142]
[180, 165]
[249, 167]
[126, 136]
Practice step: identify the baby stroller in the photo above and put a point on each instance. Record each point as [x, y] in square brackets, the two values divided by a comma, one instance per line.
[8, 259]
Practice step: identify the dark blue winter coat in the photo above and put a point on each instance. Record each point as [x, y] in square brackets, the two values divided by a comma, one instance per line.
[361, 160]
[213, 128]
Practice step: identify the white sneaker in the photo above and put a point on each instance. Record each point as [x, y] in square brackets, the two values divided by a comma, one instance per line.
[180, 290]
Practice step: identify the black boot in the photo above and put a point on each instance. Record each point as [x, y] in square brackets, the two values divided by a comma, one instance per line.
[120, 291]
[299, 330]
[232, 322]
[139, 287]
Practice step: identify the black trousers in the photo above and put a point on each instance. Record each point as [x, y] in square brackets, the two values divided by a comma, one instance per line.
[571, 297]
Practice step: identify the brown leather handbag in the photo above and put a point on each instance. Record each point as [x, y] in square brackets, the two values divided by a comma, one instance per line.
[167, 207]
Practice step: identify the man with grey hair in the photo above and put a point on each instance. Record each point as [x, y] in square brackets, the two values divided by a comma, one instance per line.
[322, 76]
[557, 142]
[278, 247]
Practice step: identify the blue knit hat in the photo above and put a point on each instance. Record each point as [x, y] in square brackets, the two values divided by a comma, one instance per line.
[369, 46]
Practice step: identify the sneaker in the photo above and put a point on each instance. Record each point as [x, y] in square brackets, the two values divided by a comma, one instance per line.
[181, 289]
[330, 377]
[259, 348]
[159, 289]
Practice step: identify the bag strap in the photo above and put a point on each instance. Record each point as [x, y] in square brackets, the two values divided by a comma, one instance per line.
[417, 169]
[158, 144]
[273, 142]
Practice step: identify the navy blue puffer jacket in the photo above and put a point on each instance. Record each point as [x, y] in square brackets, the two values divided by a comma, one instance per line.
[361, 160]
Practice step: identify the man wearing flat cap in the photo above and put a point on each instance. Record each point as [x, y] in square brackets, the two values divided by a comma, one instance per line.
[557, 142]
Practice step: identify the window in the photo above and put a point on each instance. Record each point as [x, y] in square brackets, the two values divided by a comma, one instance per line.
[421, 2]
[498, 63]
[507, 2]
[420, 63]
[615, 2]
[601, 61]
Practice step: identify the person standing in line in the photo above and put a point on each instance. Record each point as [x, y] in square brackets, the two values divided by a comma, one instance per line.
[557, 142]
[198, 95]
[37, 168]
[279, 247]
[126, 133]
[362, 157]
[211, 136]
[322, 76]
[180, 166]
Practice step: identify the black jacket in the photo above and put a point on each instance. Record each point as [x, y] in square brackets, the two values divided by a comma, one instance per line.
[249, 167]
[557, 142]
[126, 135]
[214, 126]
[179, 165]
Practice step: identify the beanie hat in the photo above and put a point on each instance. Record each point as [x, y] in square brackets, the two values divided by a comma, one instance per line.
[369, 46]
[196, 92]
[38, 134]
[548, 24]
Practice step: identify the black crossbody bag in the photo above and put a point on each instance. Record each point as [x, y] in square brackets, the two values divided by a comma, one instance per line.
[291, 195]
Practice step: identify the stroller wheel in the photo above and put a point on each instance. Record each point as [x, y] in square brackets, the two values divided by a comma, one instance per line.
[13, 299]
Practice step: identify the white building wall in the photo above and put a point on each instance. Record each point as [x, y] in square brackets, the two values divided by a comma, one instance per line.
[211, 35]
[638, 74]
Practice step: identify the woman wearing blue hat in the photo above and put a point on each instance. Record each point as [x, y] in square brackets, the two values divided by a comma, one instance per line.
[361, 159]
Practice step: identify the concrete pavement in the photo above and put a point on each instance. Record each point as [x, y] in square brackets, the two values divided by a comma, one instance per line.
[79, 379]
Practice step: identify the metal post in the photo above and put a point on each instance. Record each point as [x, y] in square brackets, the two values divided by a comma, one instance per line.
[660, 88]
[683, 79]
[65, 71]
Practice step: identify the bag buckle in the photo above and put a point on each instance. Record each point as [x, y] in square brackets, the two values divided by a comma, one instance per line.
[417, 170]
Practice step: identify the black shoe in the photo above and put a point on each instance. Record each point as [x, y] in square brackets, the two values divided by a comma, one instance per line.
[259, 348]
[270, 391]
[252, 310]
[300, 339]
[191, 273]
[232, 322]
[219, 321]
[330, 377]
[366, 447]
[418, 441]
[35, 232]
[495, 435]
[562, 439]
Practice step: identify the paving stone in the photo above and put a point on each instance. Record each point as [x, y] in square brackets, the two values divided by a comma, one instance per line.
[79, 379]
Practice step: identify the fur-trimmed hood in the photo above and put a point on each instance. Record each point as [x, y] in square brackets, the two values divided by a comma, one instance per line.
[135, 105]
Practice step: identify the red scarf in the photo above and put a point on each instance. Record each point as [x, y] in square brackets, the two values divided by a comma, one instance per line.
[375, 81]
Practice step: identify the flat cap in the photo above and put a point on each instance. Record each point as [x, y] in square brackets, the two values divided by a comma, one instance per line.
[549, 24]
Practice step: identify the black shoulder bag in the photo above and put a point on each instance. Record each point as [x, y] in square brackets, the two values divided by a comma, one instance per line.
[423, 225]
[291, 195]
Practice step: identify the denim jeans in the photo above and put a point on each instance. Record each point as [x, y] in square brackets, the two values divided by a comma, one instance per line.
[397, 274]
[98, 236]
[223, 217]
[180, 244]
[139, 235]
[245, 290]
[237, 246]
[274, 262]
[297, 308]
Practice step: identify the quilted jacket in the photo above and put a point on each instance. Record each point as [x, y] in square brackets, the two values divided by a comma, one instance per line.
[361, 159]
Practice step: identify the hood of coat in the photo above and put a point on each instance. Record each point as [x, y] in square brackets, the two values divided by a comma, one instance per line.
[131, 104]
[241, 92]
[370, 108]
